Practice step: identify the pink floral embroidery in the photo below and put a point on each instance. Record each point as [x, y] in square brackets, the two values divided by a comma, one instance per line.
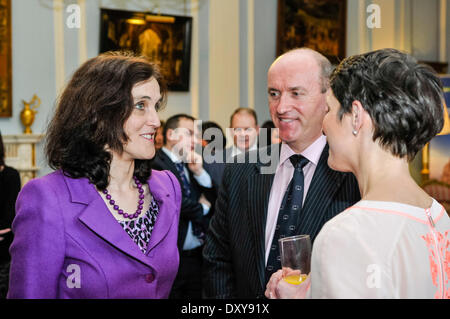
[443, 246]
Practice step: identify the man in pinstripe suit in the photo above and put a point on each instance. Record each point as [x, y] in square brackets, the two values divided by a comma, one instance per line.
[241, 233]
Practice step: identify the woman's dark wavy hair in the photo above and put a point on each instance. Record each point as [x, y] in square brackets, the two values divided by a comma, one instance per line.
[403, 98]
[91, 113]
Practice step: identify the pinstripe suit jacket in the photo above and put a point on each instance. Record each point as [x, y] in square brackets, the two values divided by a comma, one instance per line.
[234, 252]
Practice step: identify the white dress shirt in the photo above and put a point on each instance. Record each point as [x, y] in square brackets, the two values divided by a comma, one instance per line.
[283, 176]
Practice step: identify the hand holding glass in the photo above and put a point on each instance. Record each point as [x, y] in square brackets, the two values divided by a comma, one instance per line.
[295, 253]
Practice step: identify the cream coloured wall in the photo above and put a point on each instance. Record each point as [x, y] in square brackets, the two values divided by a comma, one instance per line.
[233, 45]
[223, 60]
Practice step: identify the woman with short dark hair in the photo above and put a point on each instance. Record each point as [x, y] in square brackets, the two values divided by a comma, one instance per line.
[383, 108]
[103, 225]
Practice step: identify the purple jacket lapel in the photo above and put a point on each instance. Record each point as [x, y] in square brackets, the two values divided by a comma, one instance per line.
[167, 207]
[98, 218]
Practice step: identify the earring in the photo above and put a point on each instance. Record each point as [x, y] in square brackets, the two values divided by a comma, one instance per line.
[355, 132]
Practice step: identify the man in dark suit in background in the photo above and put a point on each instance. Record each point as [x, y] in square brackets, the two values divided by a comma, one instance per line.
[178, 156]
[298, 194]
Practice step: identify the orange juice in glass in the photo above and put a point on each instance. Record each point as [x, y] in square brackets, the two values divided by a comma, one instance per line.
[295, 253]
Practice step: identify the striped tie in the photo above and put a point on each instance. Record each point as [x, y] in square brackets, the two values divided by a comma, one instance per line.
[288, 216]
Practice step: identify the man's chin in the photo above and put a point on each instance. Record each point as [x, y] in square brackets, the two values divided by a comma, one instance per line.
[288, 136]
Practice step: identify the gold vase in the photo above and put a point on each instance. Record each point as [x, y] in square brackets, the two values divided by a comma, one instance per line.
[28, 113]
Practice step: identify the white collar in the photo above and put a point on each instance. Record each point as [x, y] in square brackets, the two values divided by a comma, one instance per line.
[312, 152]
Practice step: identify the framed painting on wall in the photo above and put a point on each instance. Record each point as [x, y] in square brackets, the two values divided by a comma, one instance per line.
[5, 59]
[164, 39]
[437, 183]
[316, 24]
[440, 145]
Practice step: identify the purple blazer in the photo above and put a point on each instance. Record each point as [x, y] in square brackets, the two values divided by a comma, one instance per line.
[68, 245]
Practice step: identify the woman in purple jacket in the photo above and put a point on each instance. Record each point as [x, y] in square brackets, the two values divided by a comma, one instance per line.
[103, 225]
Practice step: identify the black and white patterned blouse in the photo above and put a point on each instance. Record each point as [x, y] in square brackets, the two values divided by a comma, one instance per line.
[140, 229]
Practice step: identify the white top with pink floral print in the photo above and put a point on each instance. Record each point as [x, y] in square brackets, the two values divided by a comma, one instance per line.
[383, 250]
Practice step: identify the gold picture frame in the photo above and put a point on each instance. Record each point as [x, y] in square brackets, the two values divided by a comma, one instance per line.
[5, 59]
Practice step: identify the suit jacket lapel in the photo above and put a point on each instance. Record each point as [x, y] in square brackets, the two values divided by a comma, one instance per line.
[259, 186]
[97, 217]
[258, 199]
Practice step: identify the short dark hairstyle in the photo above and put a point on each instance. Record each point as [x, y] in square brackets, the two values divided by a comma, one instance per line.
[91, 113]
[172, 123]
[2, 151]
[245, 110]
[403, 98]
